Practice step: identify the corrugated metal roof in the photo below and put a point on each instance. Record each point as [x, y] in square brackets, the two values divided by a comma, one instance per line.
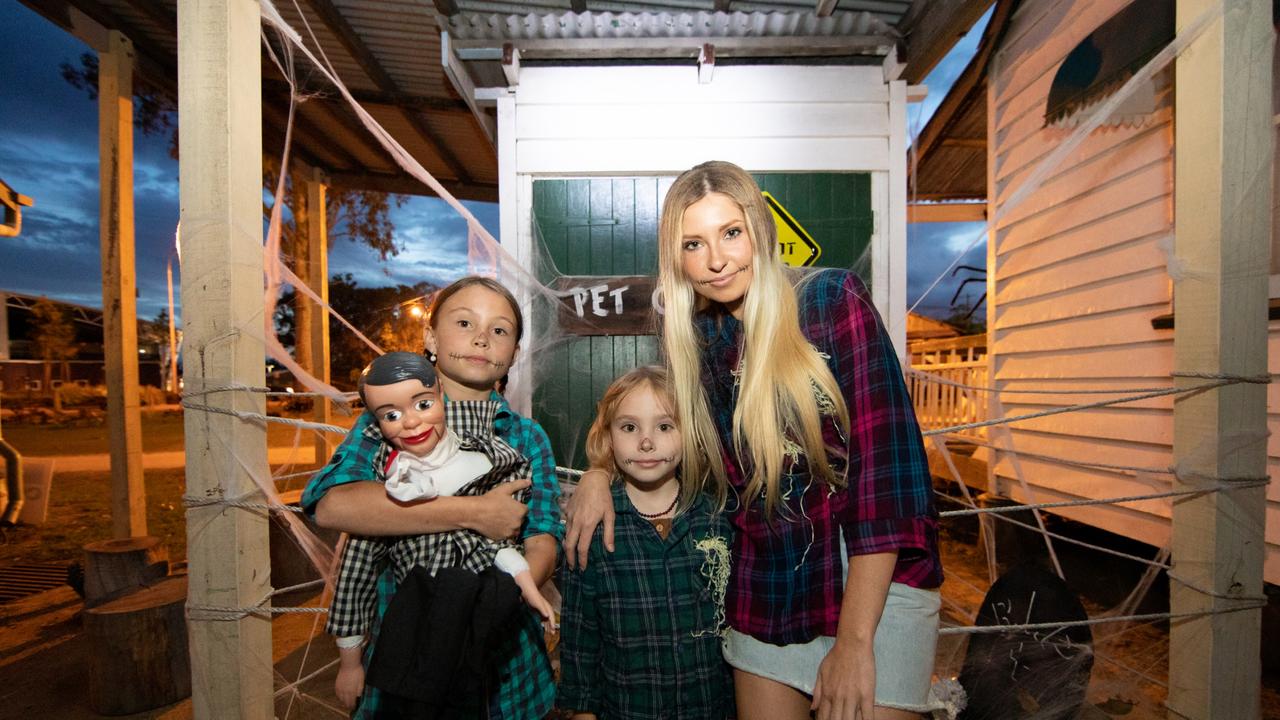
[648, 25]
[888, 11]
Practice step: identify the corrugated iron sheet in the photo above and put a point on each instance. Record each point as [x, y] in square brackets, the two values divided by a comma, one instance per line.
[888, 11]
[701, 24]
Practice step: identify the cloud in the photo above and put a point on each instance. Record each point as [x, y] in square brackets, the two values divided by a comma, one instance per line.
[433, 241]
[945, 74]
[931, 249]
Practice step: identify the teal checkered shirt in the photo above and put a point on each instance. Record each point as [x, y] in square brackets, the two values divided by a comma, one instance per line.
[639, 626]
[526, 689]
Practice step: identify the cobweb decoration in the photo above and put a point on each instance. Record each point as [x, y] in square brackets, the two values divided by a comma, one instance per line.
[1009, 675]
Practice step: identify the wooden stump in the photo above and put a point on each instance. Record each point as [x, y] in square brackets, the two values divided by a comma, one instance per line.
[289, 564]
[114, 567]
[139, 658]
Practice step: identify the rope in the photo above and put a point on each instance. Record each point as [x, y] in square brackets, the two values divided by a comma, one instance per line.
[1213, 594]
[939, 380]
[299, 586]
[1253, 482]
[1027, 627]
[245, 415]
[293, 686]
[1251, 379]
[1136, 469]
[1082, 543]
[221, 613]
[195, 502]
[289, 476]
[1082, 406]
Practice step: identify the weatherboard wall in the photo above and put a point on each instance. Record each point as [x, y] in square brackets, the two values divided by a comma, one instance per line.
[1078, 272]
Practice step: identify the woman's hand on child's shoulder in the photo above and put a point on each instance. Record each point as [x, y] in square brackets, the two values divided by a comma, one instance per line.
[591, 505]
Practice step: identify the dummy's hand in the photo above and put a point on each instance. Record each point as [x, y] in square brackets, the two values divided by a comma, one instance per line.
[350, 683]
[533, 598]
[590, 505]
[500, 515]
[846, 685]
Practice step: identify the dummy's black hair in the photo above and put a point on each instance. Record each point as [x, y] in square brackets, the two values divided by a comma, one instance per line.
[396, 367]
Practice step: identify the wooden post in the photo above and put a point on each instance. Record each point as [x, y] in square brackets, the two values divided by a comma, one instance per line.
[219, 107]
[173, 385]
[119, 285]
[1222, 208]
[317, 277]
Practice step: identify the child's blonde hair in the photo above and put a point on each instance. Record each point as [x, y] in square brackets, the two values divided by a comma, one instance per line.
[599, 443]
[783, 380]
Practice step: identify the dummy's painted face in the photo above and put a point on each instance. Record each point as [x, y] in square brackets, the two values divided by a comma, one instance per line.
[716, 251]
[410, 414]
[474, 337]
[646, 440]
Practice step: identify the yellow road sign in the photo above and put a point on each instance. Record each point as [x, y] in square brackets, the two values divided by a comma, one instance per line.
[796, 246]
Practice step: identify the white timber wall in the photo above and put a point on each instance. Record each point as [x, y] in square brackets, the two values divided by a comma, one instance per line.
[659, 120]
[1078, 271]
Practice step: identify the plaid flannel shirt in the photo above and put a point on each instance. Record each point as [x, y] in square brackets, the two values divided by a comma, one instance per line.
[639, 637]
[527, 687]
[786, 585]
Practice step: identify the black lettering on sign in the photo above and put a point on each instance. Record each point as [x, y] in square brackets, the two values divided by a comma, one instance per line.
[607, 304]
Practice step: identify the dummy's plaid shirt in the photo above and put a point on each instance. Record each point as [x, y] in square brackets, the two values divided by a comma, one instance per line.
[638, 626]
[364, 558]
[786, 585]
[527, 691]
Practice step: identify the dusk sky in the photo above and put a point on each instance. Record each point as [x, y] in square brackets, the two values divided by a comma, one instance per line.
[49, 152]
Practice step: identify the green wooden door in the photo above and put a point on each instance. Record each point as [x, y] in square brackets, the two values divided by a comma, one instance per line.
[609, 226]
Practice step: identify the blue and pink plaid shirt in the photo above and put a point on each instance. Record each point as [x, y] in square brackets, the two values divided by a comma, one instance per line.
[786, 585]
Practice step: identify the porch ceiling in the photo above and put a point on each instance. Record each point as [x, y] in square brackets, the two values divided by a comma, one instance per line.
[388, 52]
[951, 152]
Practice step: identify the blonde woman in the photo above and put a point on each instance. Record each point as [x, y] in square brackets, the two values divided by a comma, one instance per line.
[799, 423]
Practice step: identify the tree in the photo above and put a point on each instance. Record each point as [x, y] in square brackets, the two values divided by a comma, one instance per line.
[359, 216]
[383, 314]
[53, 336]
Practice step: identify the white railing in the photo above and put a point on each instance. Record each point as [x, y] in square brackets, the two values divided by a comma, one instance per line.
[938, 369]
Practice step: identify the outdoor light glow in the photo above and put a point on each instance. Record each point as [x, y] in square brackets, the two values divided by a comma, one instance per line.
[415, 311]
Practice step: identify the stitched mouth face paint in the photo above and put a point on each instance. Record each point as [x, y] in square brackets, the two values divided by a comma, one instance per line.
[477, 360]
[647, 461]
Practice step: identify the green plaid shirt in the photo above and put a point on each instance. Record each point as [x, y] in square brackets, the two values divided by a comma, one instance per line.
[527, 687]
[639, 636]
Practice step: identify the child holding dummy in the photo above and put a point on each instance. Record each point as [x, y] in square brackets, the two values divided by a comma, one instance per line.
[424, 459]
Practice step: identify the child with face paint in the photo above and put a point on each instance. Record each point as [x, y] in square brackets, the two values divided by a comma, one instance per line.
[424, 459]
[473, 335]
[664, 584]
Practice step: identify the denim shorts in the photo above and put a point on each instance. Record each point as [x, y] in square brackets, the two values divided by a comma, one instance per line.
[904, 645]
[905, 642]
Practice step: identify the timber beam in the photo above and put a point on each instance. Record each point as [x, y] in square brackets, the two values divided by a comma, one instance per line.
[338, 25]
[931, 28]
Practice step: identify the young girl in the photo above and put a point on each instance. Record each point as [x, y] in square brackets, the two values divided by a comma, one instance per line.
[640, 630]
[793, 402]
[424, 457]
[473, 334]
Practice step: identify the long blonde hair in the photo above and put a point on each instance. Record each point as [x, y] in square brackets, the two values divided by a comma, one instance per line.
[784, 379]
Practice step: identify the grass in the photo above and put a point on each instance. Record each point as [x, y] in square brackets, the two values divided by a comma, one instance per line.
[80, 513]
[161, 432]
[80, 504]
